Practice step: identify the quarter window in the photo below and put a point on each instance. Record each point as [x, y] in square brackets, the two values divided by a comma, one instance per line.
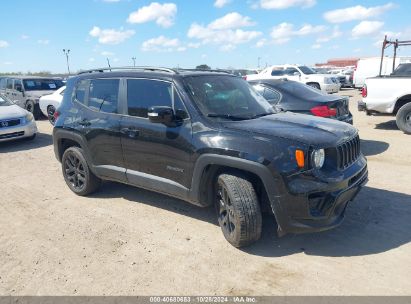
[272, 96]
[80, 93]
[9, 83]
[103, 95]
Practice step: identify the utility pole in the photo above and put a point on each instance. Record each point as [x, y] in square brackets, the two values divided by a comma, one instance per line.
[134, 61]
[67, 52]
[108, 63]
[259, 58]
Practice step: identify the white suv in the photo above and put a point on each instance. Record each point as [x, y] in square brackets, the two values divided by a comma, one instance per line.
[304, 74]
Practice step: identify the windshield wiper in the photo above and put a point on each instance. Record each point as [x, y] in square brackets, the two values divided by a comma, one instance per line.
[228, 116]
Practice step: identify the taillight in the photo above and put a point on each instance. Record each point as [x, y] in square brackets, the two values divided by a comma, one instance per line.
[324, 111]
[56, 115]
[364, 91]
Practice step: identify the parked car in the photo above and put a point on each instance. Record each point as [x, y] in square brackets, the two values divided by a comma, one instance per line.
[244, 73]
[25, 91]
[208, 138]
[388, 95]
[344, 76]
[49, 103]
[370, 67]
[15, 122]
[303, 74]
[300, 98]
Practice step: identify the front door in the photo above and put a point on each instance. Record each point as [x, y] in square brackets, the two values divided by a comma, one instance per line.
[156, 155]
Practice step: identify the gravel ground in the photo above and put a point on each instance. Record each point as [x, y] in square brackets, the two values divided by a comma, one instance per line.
[128, 241]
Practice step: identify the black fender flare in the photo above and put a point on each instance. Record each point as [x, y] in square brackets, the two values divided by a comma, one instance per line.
[272, 184]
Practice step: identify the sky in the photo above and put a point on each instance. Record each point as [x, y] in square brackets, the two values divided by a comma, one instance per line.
[186, 33]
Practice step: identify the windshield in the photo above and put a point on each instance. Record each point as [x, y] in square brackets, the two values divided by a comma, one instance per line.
[42, 84]
[227, 97]
[306, 70]
[4, 101]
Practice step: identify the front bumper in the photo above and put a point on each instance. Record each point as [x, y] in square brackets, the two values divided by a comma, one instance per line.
[23, 130]
[312, 205]
[330, 88]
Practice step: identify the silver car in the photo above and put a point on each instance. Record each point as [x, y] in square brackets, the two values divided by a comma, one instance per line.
[25, 91]
[15, 122]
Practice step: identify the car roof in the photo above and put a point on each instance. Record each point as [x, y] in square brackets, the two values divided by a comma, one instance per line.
[29, 77]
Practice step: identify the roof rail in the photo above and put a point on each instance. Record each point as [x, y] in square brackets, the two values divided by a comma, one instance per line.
[205, 70]
[141, 68]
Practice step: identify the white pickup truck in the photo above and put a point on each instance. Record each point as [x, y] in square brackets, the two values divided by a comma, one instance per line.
[390, 95]
[324, 82]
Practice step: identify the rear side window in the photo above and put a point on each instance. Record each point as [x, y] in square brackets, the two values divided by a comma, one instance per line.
[143, 94]
[103, 95]
[80, 92]
[272, 96]
[2, 83]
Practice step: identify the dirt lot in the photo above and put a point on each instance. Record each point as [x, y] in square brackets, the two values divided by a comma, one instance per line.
[127, 241]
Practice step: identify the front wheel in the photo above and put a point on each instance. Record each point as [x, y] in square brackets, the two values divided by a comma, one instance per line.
[77, 173]
[315, 86]
[238, 210]
[33, 108]
[404, 118]
[50, 114]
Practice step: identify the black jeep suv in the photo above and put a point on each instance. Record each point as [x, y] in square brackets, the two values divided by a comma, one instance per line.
[208, 138]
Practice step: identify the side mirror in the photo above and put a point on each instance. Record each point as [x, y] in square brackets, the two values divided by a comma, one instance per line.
[164, 115]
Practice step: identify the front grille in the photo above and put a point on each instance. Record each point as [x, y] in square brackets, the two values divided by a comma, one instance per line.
[9, 123]
[348, 153]
[12, 135]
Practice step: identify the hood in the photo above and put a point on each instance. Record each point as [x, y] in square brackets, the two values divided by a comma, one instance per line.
[38, 94]
[306, 129]
[10, 112]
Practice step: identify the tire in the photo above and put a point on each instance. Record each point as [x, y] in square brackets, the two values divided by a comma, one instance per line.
[33, 108]
[238, 210]
[315, 86]
[50, 114]
[404, 118]
[77, 173]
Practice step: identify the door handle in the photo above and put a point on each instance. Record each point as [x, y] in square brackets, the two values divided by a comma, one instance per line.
[84, 123]
[130, 132]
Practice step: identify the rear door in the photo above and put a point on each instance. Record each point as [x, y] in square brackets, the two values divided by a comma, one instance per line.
[154, 151]
[98, 120]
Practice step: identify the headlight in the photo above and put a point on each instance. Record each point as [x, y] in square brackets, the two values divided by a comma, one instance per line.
[29, 117]
[318, 158]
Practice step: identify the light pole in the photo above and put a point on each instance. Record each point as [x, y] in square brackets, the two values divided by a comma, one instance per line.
[134, 61]
[67, 52]
[259, 58]
[108, 63]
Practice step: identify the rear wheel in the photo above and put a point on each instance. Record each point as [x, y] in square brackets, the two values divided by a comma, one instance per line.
[77, 173]
[238, 210]
[404, 118]
[50, 114]
[33, 108]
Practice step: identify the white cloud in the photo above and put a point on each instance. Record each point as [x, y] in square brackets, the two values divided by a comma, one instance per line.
[111, 1]
[4, 44]
[283, 4]
[162, 44]
[262, 42]
[24, 37]
[107, 54]
[43, 41]
[162, 14]
[221, 3]
[226, 30]
[230, 21]
[7, 63]
[336, 33]
[365, 28]
[91, 59]
[283, 32]
[358, 12]
[316, 46]
[110, 36]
